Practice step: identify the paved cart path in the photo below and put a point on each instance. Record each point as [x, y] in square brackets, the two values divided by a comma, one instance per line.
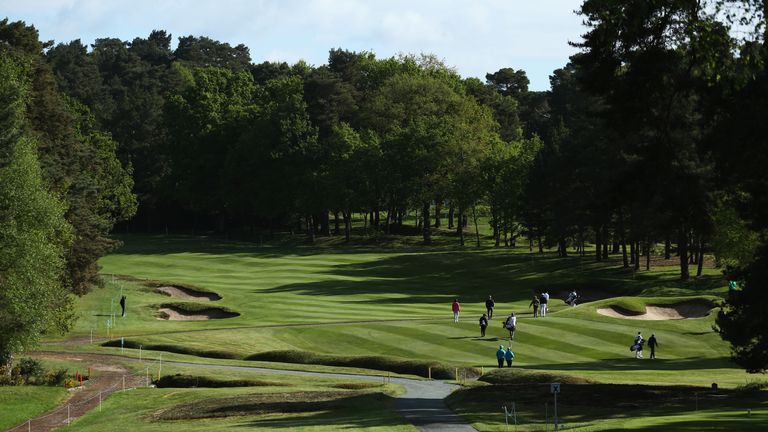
[422, 404]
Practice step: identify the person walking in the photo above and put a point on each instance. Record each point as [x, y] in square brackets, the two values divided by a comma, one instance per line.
[543, 306]
[489, 305]
[483, 325]
[500, 356]
[509, 356]
[511, 325]
[535, 303]
[639, 341]
[571, 300]
[456, 307]
[122, 305]
[652, 344]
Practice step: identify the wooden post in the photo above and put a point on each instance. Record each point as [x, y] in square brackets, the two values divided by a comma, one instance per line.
[430, 372]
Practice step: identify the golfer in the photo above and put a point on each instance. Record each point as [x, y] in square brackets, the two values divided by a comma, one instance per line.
[489, 304]
[456, 307]
[652, 344]
[543, 305]
[483, 325]
[535, 303]
[639, 341]
[511, 325]
[122, 304]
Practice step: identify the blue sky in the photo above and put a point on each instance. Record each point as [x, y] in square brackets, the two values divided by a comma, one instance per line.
[474, 36]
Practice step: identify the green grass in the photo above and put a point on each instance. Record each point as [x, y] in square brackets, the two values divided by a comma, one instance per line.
[20, 403]
[326, 302]
[275, 402]
[607, 407]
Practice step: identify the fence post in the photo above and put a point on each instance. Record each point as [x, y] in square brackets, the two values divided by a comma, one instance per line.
[68, 420]
[29, 425]
[147, 376]
[430, 372]
[99, 401]
[456, 374]
[123, 382]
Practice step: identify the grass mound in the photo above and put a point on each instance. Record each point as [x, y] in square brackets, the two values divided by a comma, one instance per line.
[269, 403]
[178, 349]
[188, 381]
[513, 376]
[383, 363]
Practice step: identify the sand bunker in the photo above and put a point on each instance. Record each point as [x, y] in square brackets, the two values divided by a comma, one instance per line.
[658, 313]
[188, 294]
[173, 313]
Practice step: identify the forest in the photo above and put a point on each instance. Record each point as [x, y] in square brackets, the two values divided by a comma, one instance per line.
[651, 140]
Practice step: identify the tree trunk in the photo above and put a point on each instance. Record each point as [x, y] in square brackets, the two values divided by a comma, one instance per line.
[376, 218]
[605, 243]
[438, 207]
[632, 252]
[647, 254]
[336, 227]
[450, 215]
[460, 226]
[624, 252]
[598, 244]
[347, 225]
[700, 259]
[637, 255]
[682, 250]
[425, 215]
[388, 220]
[311, 228]
[477, 231]
[667, 248]
[541, 246]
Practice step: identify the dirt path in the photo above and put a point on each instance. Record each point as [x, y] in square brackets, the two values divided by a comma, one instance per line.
[106, 377]
[422, 404]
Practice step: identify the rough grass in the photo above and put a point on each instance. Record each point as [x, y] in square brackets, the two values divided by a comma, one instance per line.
[397, 365]
[20, 403]
[600, 407]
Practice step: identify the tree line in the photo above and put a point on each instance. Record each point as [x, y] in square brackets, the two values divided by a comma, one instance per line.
[651, 137]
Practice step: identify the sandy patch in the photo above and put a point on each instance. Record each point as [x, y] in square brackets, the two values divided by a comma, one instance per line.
[176, 314]
[188, 294]
[658, 313]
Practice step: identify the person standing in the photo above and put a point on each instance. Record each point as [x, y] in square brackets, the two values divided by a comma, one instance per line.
[456, 307]
[509, 356]
[543, 305]
[500, 354]
[535, 303]
[489, 305]
[652, 344]
[511, 325]
[639, 341]
[122, 304]
[483, 325]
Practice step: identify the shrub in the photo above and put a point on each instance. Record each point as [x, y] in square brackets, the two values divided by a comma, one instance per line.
[187, 381]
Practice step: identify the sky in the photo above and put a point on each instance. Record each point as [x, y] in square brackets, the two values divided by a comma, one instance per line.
[473, 36]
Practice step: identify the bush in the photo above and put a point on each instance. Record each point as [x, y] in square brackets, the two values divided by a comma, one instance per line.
[187, 381]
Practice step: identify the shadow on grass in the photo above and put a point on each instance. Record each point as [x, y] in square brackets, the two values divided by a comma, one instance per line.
[342, 409]
[630, 364]
[436, 275]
